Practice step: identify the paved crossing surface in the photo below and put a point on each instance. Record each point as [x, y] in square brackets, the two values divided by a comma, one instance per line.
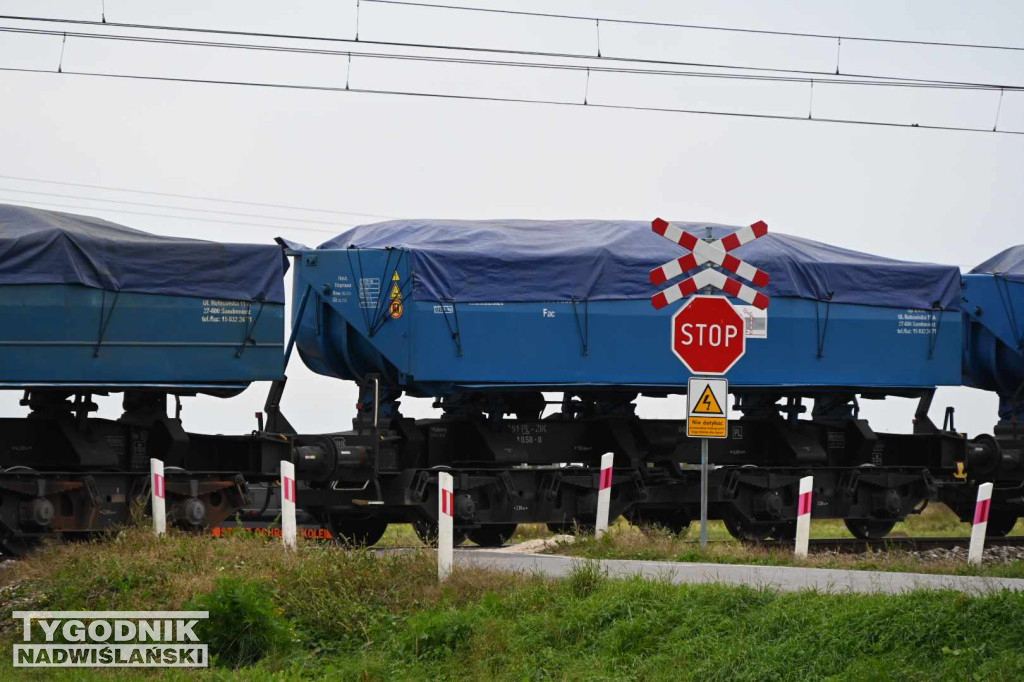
[785, 578]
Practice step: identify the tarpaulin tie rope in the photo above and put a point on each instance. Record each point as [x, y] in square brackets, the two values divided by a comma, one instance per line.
[822, 331]
[104, 320]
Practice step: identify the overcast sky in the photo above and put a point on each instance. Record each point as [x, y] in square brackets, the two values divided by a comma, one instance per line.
[948, 197]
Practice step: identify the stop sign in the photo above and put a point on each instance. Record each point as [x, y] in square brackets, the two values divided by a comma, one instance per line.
[707, 335]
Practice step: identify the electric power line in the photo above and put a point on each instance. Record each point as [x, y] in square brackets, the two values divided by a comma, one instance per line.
[176, 208]
[475, 49]
[49, 204]
[192, 196]
[832, 80]
[699, 27]
[481, 98]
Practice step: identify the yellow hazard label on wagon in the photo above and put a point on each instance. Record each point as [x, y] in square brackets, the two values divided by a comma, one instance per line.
[396, 307]
[707, 404]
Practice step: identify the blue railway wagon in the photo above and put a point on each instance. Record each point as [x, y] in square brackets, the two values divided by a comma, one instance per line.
[487, 315]
[73, 335]
[993, 307]
[89, 303]
[89, 307]
[395, 312]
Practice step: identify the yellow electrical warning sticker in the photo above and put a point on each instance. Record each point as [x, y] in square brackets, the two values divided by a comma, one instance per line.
[396, 308]
[707, 404]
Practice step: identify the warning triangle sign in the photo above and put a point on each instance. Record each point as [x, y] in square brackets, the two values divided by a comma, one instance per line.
[707, 404]
[395, 277]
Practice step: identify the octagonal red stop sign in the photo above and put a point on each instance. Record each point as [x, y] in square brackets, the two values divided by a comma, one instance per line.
[707, 335]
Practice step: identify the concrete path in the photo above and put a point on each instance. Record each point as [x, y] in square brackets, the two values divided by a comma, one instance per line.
[785, 578]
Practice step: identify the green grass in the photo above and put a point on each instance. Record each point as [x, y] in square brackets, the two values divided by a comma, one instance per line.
[326, 613]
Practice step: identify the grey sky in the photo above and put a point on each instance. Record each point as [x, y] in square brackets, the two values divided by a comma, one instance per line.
[913, 194]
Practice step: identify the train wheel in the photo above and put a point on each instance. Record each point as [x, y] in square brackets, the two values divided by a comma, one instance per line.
[869, 529]
[493, 534]
[1000, 524]
[748, 531]
[356, 532]
[426, 531]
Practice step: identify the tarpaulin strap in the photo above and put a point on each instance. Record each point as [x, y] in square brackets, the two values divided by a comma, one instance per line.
[819, 329]
[382, 314]
[934, 339]
[1004, 296]
[104, 319]
[249, 329]
[454, 331]
[584, 328]
[379, 308]
[359, 285]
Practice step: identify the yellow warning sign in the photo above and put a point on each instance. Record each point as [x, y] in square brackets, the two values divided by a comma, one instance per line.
[396, 308]
[708, 404]
[396, 292]
[395, 277]
[707, 427]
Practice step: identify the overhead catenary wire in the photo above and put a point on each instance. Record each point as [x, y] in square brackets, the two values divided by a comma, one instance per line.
[111, 188]
[168, 206]
[698, 27]
[482, 98]
[468, 48]
[845, 80]
[103, 209]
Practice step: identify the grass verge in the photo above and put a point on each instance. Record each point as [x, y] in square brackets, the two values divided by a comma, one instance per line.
[326, 613]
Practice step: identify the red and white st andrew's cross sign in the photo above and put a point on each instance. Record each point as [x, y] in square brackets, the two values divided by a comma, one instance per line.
[707, 332]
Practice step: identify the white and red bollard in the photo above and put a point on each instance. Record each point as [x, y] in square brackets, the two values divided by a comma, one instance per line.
[604, 495]
[288, 529]
[803, 515]
[977, 548]
[445, 524]
[158, 486]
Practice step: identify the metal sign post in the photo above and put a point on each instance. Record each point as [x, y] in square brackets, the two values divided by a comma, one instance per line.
[707, 416]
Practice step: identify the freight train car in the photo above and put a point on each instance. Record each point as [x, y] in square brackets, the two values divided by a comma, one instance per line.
[534, 339]
[491, 318]
[90, 308]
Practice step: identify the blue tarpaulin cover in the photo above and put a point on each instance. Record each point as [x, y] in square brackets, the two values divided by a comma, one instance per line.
[1009, 263]
[531, 260]
[47, 247]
